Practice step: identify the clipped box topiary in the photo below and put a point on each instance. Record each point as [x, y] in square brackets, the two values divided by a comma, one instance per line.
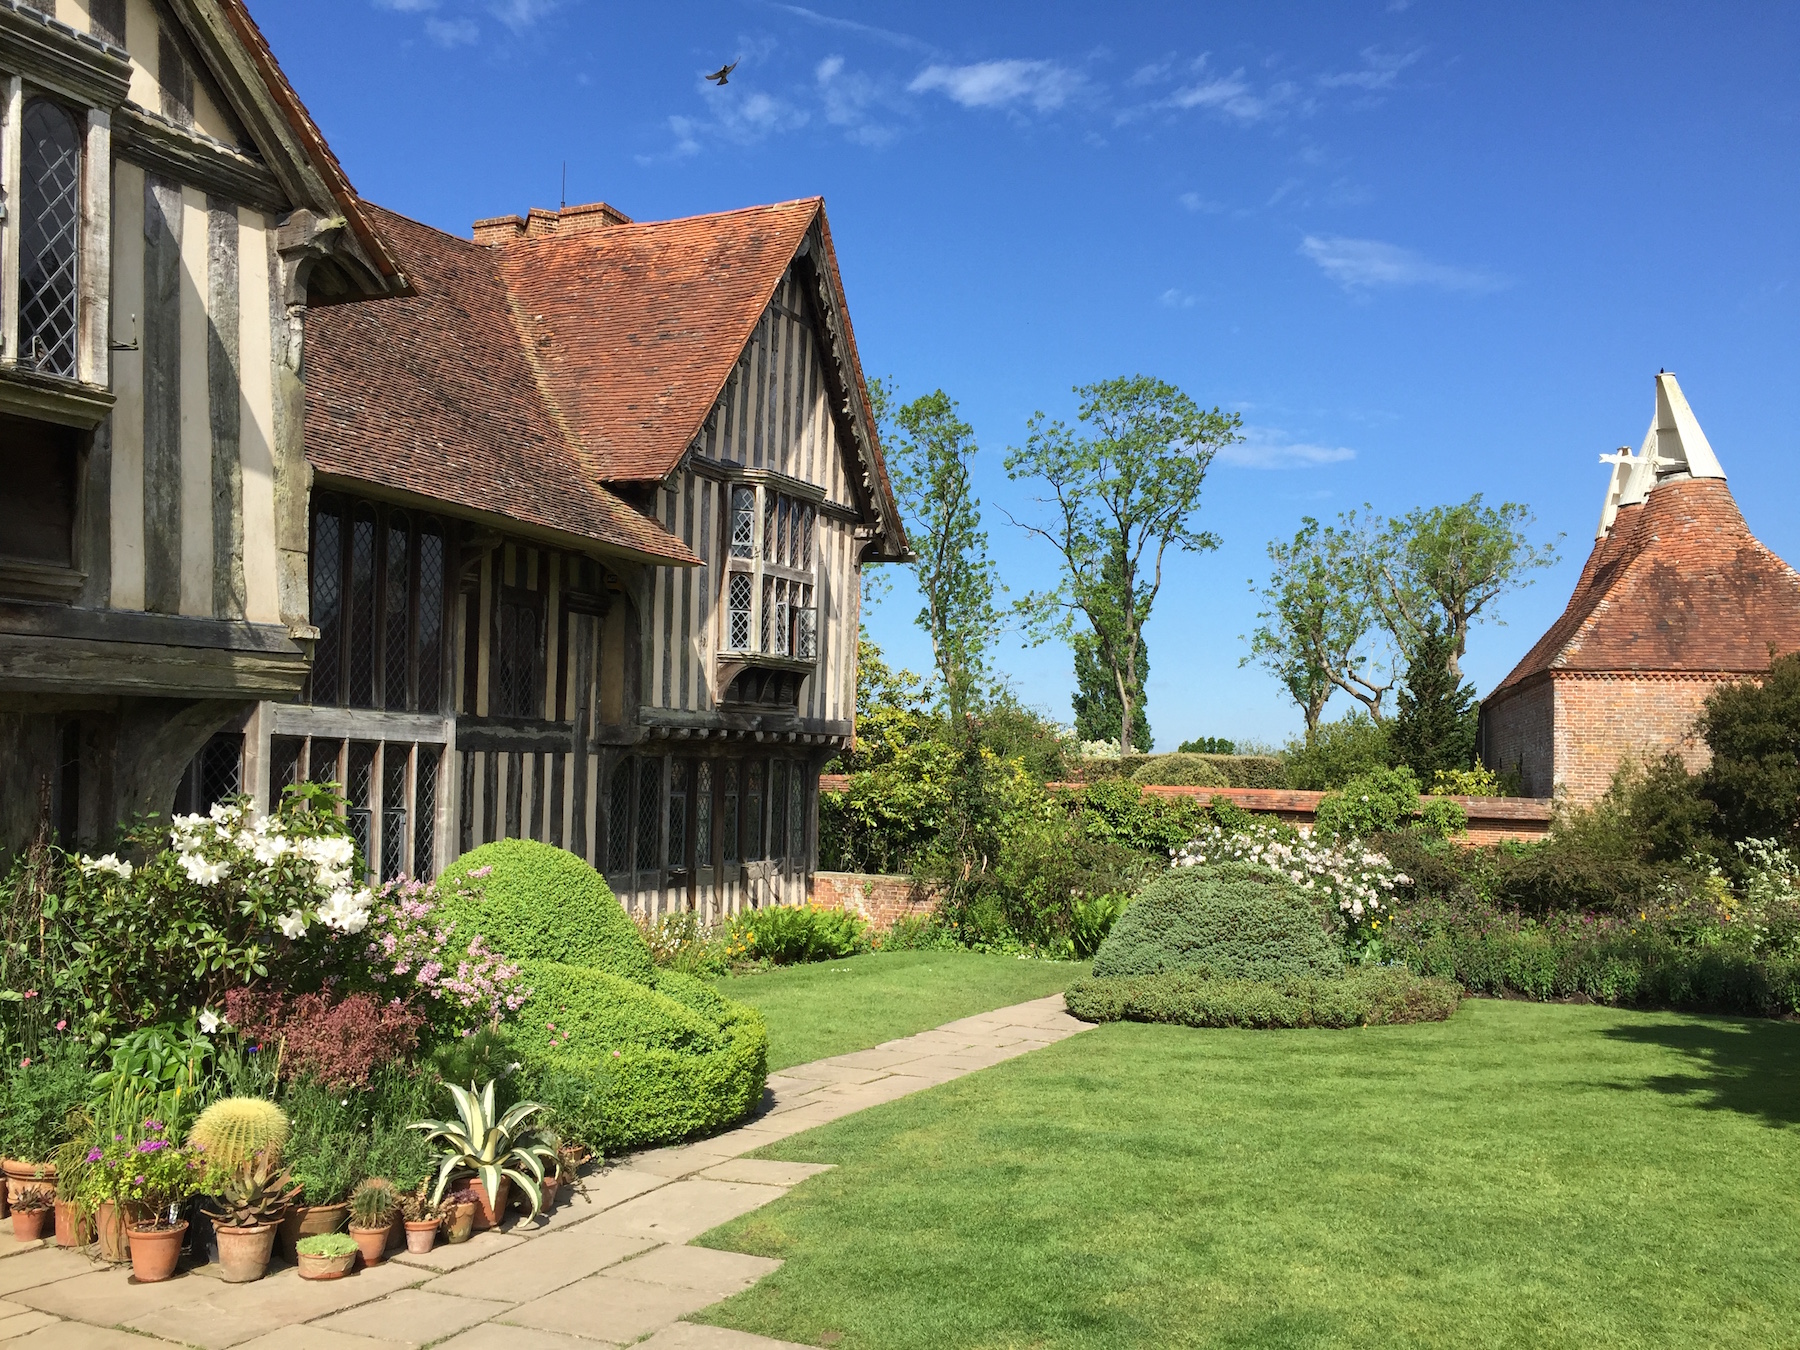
[541, 903]
[1180, 770]
[1230, 923]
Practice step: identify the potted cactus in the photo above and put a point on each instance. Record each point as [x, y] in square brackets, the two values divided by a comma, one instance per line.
[493, 1147]
[422, 1219]
[325, 1256]
[247, 1206]
[374, 1205]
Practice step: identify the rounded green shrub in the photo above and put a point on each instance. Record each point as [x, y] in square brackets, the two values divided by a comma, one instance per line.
[1228, 922]
[540, 903]
[634, 1065]
[1179, 770]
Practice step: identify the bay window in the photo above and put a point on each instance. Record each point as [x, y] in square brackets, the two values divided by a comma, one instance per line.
[769, 587]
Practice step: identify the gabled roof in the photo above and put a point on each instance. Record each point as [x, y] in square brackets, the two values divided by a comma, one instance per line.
[432, 395]
[1676, 581]
[637, 326]
[239, 56]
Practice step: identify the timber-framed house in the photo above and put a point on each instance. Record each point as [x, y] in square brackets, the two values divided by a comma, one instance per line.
[590, 509]
[170, 214]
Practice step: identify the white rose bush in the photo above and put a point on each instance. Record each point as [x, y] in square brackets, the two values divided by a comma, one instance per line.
[1351, 884]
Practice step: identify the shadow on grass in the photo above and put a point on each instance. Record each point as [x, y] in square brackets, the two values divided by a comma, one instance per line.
[1748, 1066]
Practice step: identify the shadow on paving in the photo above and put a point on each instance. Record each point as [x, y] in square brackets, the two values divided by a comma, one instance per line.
[1745, 1065]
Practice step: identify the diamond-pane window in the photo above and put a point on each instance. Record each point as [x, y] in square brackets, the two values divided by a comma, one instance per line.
[796, 812]
[425, 811]
[703, 837]
[431, 615]
[362, 793]
[362, 608]
[396, 650]
[777, 808]
[649, 813]
[753, 811]
[49, 237]
[618, 831]
[678, 811]
[806, 632]
[728, 814]
[768, 549]
[393, 811]
[738, 612]
[328, 603]
[743, 521]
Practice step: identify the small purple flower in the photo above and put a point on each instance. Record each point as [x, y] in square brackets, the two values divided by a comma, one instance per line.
[93, 1155]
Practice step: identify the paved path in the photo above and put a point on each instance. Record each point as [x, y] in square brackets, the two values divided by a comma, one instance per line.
[610, 1272]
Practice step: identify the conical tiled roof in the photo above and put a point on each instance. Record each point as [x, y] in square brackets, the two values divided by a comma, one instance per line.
[1676, 581]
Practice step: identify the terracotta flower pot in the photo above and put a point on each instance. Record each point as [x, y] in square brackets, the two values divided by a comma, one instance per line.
[28, 1224]
[490, 1210]
[306, 1221]
[421, 1235]
[154, 1252]
[109, 1224]
[244, 1252]
[325, 1267]
[462, 1222]
[24, 1176]
[74, 1225]
[371, 1243]
[552, 1184]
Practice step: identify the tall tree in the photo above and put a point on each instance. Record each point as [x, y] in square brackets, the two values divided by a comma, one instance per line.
[1124, 493]
[1446, 565]
[1315, 628]
[1434, 726]
[1098, 713]
[931, 449]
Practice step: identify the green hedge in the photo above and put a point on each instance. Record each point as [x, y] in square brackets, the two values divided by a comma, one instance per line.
[541, 903]
[1228, 922]
[575, 1010]
[1377, 996]
[1188, 769]
[1645, 972]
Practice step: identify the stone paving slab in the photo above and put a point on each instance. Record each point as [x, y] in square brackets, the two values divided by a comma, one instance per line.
[11, 1246]
[412, 1317]
[609, 1268]
[537, 1268]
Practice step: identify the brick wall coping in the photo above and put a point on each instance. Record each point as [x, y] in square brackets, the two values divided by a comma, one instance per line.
[1294, 802]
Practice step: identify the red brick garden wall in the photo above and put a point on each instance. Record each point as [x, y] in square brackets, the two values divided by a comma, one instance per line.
[879, 899]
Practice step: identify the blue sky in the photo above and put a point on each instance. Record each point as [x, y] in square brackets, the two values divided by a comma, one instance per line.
[1424, 249]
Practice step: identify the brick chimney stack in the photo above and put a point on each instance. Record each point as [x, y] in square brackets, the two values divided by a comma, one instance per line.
[540, 223]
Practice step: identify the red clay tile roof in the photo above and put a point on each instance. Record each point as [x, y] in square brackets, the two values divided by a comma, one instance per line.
[1679, 584]
[432, 394]
[638, 325]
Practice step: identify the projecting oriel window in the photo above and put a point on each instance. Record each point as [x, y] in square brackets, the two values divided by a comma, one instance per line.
[49, 227]
[769, 596]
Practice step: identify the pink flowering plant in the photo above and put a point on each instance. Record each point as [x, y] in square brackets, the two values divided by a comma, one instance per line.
[143, 1171]
[415, 953]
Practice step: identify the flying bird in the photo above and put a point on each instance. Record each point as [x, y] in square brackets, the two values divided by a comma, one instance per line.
[722, 75]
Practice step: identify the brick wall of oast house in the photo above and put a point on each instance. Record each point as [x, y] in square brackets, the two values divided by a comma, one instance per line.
[1491, 819]
[1518, 735]
[1603, 719]
[879, 899]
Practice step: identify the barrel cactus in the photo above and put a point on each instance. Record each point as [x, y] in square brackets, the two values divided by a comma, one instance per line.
[235, 1129]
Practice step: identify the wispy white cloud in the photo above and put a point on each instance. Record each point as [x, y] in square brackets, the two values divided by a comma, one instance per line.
[1379, 70]
[452, 32]
[1044, 86]
[1176, 299]
[848, 98]
[1272, 448]
[887, 35]
[1364, 264]
[407, 6]
[519, 15]
[1194, 202]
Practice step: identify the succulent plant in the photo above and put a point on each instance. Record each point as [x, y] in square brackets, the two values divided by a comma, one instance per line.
[254, 1192]
[491, 1145]
[373, 1203]
[234, 1129]
[327, 1244]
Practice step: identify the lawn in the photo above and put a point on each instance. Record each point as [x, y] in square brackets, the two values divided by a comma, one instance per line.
[1523, 1175]
[834, 1007]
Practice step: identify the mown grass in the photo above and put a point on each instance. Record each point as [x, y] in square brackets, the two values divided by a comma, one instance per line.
[834, 1007]
[1523, 1175]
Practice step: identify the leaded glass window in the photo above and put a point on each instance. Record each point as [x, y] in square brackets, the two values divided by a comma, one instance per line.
[728, 813]
[519, 655]
[49, 237]
[753, 811]
[431, 616]
[678, 813]
[738, 612]
[797, 812]
[743, 521]
[618, 819]
[424, 810]
[649, 813]
[362, 793]
[362, 608]
[396, 647]
[777, 808]
[393, 811]
[703, 836]
[327, 603]
[806, 631]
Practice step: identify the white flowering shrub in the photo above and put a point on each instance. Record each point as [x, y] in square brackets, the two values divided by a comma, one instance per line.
[1352, 885]
[180, 913]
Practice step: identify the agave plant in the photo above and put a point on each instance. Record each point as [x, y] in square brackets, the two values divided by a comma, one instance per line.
[475, 1141]
[254, 1192]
